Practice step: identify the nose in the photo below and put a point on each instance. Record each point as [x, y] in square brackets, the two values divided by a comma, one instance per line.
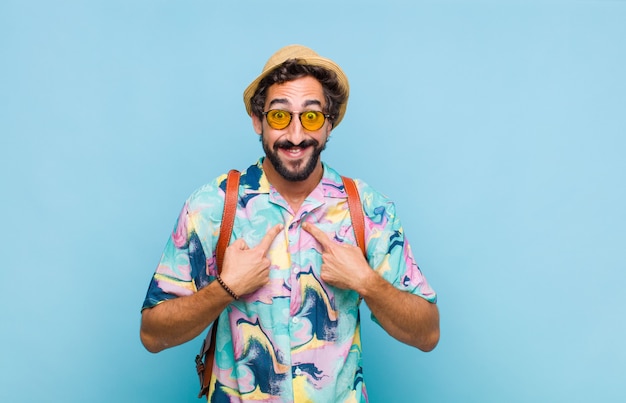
[295, 131]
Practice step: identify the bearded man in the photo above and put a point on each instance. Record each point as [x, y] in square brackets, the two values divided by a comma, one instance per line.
[292, 279]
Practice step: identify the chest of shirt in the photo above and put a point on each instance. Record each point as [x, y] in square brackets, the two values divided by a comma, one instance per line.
[295, 255]
[294, 249]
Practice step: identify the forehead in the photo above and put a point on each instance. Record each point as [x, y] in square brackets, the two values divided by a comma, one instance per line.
[299, 92]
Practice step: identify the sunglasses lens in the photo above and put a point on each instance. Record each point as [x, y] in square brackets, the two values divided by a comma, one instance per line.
[312, 120]
[278, 119]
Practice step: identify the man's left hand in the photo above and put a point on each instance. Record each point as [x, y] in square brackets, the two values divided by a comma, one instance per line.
[343, 266]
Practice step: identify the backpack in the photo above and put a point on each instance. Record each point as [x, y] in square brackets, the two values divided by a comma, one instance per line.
[204, 360]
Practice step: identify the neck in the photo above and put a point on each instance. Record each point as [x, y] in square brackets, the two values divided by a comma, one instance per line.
[293, 192]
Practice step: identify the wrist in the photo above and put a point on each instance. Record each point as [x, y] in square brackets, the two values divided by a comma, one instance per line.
[226, 287]
[370, 283]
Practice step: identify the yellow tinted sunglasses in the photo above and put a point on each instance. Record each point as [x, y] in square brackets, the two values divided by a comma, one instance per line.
[311, 120]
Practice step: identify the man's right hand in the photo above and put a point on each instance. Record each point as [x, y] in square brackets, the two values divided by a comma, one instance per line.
[247, 269]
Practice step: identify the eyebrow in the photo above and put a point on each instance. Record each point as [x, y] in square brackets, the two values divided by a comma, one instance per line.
[285, 101]
[313, 102]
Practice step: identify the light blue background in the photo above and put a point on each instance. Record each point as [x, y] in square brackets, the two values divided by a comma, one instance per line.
[498, 127]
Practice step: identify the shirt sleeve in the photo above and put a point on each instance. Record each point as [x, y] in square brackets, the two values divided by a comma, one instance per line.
[389, 252]
[188, 261]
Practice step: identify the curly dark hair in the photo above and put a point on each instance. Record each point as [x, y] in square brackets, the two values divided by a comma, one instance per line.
[292, 69]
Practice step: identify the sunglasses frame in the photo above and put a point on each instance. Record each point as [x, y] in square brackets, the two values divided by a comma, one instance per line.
[290, 113]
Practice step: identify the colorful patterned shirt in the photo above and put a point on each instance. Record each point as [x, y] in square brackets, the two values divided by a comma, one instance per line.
[297, 339]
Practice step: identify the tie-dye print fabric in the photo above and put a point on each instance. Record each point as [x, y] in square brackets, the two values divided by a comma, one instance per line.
[296, 339]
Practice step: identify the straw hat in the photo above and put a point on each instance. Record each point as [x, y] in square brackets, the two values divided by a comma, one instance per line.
[304, 56]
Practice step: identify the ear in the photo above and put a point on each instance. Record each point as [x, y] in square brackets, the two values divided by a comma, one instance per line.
[257, 124]
[329, 128]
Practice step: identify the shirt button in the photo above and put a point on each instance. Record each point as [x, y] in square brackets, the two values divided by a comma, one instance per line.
[298, 371]
[295, 319]
[295, 270]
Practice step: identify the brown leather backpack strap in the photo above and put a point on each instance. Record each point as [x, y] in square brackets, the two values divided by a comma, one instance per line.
[204, 367]
[205, 371]
[228, 216]
[204, 361]
[356, 212]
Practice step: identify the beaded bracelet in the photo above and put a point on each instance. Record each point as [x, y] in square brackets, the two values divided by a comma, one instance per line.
[227, 288]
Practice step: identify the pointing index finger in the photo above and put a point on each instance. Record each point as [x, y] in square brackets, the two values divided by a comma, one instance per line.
[318, 234]
[267, 240]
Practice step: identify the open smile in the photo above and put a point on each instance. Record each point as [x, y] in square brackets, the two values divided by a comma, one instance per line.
[294, 152]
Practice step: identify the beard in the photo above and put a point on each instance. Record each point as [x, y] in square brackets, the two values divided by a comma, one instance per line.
[295, 171]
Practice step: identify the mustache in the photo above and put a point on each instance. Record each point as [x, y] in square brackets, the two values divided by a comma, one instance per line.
[303, 144]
